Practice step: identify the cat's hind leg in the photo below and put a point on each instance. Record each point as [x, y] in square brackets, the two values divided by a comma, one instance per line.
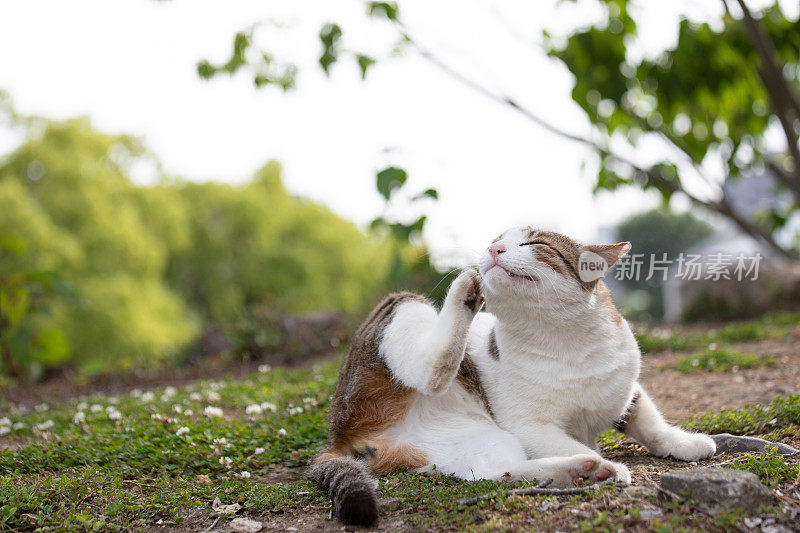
[644, 422]
[423, 348]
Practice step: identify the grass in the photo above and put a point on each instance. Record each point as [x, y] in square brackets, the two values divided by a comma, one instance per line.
[720, 360]
[782, 416]
[769, 466]
[130, 461]
[772, 326]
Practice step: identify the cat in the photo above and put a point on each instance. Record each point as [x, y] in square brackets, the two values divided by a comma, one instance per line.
[518, 392]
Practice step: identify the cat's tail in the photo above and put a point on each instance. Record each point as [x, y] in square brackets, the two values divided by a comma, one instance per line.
[350, 485]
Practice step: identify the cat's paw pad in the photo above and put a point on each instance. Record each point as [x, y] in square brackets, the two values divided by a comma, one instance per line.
[595, 468]
[467, 289]
[689, 446]
[587, 467]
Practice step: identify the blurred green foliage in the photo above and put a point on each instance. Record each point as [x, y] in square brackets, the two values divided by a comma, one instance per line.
[152, 265]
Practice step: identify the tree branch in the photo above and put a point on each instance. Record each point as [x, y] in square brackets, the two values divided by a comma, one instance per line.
[784, 102]
[653, 174]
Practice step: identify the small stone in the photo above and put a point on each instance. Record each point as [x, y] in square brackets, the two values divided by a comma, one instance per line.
[727, 443]
[389, 504]
[718, 490]
[639, 492]
[649, 514]
[752, 522]
[245, 525]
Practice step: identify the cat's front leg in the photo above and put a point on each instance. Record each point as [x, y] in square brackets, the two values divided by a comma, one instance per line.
[547, 441]
[644, 422]
[424, 349]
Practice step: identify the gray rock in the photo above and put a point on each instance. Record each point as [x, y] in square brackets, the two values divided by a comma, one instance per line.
[718, 490]
[727, 443]
[389, 504]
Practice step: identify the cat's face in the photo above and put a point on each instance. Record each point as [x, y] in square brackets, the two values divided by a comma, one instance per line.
[529, 266]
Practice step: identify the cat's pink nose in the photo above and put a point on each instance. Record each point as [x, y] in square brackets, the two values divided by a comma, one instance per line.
[496, 249]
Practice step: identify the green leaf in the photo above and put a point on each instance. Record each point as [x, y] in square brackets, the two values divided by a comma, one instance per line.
[330, 34]
[364, 62]
[428, 193]
[383, 9]
[389, 179]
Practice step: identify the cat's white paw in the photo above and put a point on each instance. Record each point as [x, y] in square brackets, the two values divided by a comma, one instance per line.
[568, 470]
[465, 292]
[686, 446]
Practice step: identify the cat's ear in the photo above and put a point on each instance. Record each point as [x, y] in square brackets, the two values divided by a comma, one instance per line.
[611, 253]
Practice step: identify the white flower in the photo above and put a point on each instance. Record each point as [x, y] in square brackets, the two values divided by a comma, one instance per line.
[96, 408]
[156, 416]
[5, 421]
[195, 396]
[213, 396]
[148, 396]
[44, 426]
[188, 412]
[136, 392]
[110, 409]
[254, 409]
[225, 461]
[282, 432]
[244, 474]
[5, 430]
[82, 406]
[113, 400]
[259, 451]
[295, 410]
[79, 418]
[310, 401]
[267, 406]
[170, 391]
[713, 346]
[18, 425]
[220, 444]
[177, 408]
[41, 408]
[182, 431]
[213, 411]
[264, 368]
[114, 415]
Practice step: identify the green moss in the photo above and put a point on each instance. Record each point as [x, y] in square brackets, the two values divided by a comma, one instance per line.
[751, 420]
[769, 466]
[720, 360]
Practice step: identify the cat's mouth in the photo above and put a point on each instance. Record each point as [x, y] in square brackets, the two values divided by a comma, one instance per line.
[511, 274]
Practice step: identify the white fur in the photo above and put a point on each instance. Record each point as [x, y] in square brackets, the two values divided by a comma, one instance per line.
[567, 371]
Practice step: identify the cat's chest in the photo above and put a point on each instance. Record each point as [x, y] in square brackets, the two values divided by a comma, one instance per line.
[558, 390]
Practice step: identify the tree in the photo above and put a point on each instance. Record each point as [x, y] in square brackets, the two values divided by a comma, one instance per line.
[712, 100]
[659, 234]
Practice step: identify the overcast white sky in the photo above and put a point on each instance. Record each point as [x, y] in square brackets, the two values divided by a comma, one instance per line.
[130, 65]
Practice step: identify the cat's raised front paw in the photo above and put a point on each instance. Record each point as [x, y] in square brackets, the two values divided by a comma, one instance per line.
[467, 290]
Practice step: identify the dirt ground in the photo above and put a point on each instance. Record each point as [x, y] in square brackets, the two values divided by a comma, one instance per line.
[680, 395]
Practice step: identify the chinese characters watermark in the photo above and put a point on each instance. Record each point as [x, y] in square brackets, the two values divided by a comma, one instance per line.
[690, 267]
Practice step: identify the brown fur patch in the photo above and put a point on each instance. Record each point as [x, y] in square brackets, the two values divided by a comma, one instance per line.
[394, 458]
[470, 379]
[494, 351]
[565, 249]
[605, 298]
[367, 401]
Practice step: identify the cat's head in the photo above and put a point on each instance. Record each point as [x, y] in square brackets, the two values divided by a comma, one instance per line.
[526, 266]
